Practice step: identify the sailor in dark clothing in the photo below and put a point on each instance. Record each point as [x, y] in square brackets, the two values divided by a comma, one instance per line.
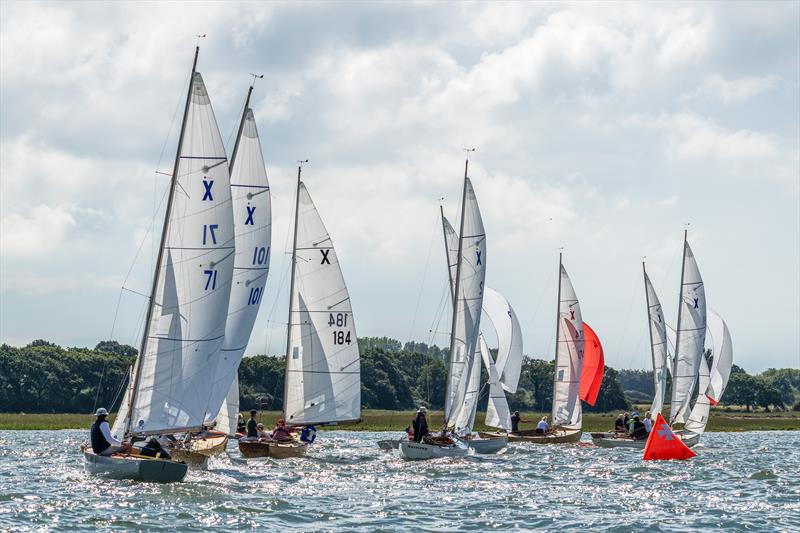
[420, 424]
[515, 421]
[103, 442]
[153, 448]
[639, 431]
[252, 425]
[619, 424]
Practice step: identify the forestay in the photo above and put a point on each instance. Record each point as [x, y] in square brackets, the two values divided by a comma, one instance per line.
[467, 302]
[252, 211]
[569, 356]
[723, 357]
[658, 345]
[192, 289]
[691, 337]
[323, 378]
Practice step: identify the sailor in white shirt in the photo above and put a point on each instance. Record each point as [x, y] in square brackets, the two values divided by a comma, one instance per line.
[648, 421]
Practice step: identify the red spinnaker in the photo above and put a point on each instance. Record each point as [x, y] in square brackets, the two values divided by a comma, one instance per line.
[593, 366]
[663, 444]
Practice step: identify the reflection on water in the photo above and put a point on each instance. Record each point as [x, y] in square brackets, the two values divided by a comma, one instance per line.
[739, 481]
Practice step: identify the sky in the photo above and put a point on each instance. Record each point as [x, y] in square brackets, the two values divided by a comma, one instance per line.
[601, 130]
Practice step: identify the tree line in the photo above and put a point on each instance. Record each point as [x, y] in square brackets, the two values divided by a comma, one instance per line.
[45, 377]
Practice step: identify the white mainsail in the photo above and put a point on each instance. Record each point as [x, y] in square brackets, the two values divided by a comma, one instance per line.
[228, 417]
[467, 302]
[698, 416]
[658, 344]
[323, 377]
[497, 412]
[509, 338]
[690, 337]
[723, 357]
[176, 370]
[569, 356]
[252, 208]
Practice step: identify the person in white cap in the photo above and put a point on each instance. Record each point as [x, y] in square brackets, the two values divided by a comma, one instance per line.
[103, 442]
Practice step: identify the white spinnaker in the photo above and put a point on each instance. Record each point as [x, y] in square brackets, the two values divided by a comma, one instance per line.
[187, 328]
[698, 417]
[723, 357]
[463, 418]
[252, 211]
[497, 412]
[467, 302]
[691, 338]
[228, 417]
[658, 346]
[569, 358]
[323, 377]
[509, 338]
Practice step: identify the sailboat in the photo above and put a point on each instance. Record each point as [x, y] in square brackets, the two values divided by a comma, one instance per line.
[693, 322]
[323, 371]
[566, 415]
[252, 208]
[468, 290]
[173, 376]
[502, 374]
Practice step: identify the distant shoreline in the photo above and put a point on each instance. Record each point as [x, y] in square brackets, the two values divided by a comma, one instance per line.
[379, 420]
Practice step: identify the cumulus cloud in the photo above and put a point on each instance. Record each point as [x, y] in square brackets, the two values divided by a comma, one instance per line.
[729, 91]
[40, 233]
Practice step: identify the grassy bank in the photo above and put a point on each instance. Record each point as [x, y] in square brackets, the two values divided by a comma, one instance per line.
[377, 420]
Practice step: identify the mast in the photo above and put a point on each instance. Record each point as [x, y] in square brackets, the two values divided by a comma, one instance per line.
[241, 127]
[291, 286]
[678, 329]
[447, 252]
[458, 284]
[164, 229]
[558, 328]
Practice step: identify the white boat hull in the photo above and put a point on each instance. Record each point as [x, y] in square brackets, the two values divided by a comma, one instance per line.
[488, 446]
[136, 468]
[418, 451]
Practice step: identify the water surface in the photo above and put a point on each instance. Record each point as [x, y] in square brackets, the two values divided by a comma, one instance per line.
[739, 482]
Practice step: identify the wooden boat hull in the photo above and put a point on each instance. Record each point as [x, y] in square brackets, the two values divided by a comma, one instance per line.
[558, 437]
[485, 446]
[420, 451]
[196, 452]
[275, 450]
[136, 468]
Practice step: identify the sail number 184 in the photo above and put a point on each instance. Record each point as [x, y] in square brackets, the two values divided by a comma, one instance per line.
[339, 320]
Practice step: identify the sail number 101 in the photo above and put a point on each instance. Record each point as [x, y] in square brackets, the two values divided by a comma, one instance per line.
[339, 320]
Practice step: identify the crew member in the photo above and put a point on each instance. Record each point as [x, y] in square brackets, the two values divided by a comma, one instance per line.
[420, 424]
[252, 425]
[103, 442]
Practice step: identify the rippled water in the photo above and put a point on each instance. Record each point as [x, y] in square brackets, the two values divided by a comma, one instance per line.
[739, 481]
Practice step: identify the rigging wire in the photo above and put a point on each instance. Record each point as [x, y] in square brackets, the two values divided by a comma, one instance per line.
[422, 285]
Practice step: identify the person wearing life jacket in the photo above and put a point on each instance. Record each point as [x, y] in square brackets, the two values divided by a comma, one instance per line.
[252, 425]
[153, 448]
[619, 424]
[634, 415]
[638, 429]
[103, 442]
[420, 424]
[280, 432]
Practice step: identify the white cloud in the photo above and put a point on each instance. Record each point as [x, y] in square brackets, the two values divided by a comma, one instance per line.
[40, 233]
[730, 91]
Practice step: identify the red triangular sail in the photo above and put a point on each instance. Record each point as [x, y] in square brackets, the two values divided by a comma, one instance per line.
[663, 444]
[593, 366]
